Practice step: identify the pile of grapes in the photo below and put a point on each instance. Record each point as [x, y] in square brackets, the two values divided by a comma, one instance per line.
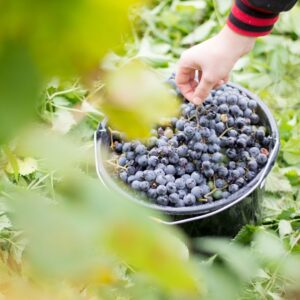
[208, 153]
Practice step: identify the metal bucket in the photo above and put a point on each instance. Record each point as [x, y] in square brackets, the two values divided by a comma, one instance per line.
[223, 217]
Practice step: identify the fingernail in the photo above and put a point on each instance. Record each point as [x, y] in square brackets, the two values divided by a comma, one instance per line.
[197, 100]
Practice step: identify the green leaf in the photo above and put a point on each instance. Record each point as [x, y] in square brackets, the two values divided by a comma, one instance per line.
[293, 175]
[246, 234]
[233, 254]
[195, 5]
[277, 182]
[285, 228]
[90, 225]
[269, 246]
[4, 222]
[291, 151]
[223, 6]
[199, 34]
[278, 206]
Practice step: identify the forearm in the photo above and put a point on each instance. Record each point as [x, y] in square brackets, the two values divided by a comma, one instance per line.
[256, 17]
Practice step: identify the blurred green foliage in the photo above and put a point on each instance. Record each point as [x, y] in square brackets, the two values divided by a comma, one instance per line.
[62, 234]
[136, 111]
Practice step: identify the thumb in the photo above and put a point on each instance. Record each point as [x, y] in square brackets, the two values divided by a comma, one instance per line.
[203, 89]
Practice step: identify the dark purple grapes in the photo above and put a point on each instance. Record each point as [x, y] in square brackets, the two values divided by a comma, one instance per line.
[205, 154]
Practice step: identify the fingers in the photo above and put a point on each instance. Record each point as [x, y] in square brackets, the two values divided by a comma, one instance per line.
[203, 89]
[205, 86]
[185, 80]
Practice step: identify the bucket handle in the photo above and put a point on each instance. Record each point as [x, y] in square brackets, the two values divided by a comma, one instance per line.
[261, 182]
[200, 217]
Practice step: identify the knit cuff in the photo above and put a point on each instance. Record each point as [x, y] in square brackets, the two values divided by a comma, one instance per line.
[247, 20]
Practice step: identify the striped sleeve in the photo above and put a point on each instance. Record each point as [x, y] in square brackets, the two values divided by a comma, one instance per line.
[248, 20]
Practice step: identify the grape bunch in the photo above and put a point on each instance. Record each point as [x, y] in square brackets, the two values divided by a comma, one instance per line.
[206, 154]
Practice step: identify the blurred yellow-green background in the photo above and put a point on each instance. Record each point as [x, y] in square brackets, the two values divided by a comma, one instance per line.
[63, 66]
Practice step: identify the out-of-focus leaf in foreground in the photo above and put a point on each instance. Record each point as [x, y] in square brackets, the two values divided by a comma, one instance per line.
[91, 225]
[42, 39]
[137, 99]
[19, 88]
[65, 37]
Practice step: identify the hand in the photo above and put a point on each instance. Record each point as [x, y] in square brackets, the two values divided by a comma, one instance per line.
[213, 59]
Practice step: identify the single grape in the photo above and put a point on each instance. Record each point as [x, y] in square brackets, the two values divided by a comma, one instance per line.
[180, 183]
[254, 151]
[197, 191]
[242, 103]
[140, 149]
[143, 161]
[261, 159]
[217, 195]
[118, 147]
[252, 165]
[180, 171]
[131, 170]
[252, 104]
[183, 161]
[190, 183]
[173, 158]
[153, 161]
[126, 147]
[162, 200]
[161, 190]
[122, 161]
[220, 183]
[139, 175]
[232, 133]
[131, 178]
[136, 185]
[209, 173]
[124, 176]
[160, 179]
[170, 178]
[170, 169]
[180, 124]
[144, 186]
[233, 188]
[223, 109]
[182, 150]
[174, 198]
[189, 199]
[152, 193]
[189, 168]
[222, 171]
[197, 177]
[189, 131]
[254, 119]
[240, 182]
[149, 175]
[171, 187]
[241, 142]
[217, 157]
[231, 153]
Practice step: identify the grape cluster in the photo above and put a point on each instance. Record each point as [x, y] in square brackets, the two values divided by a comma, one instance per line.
[208, 153]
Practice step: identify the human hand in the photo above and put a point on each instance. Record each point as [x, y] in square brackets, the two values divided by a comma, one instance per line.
[213, 59]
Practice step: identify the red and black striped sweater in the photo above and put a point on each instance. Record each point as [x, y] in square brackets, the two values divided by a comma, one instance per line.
[256, 17]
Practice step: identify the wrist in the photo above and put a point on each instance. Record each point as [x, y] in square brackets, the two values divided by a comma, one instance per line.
[241, 44]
